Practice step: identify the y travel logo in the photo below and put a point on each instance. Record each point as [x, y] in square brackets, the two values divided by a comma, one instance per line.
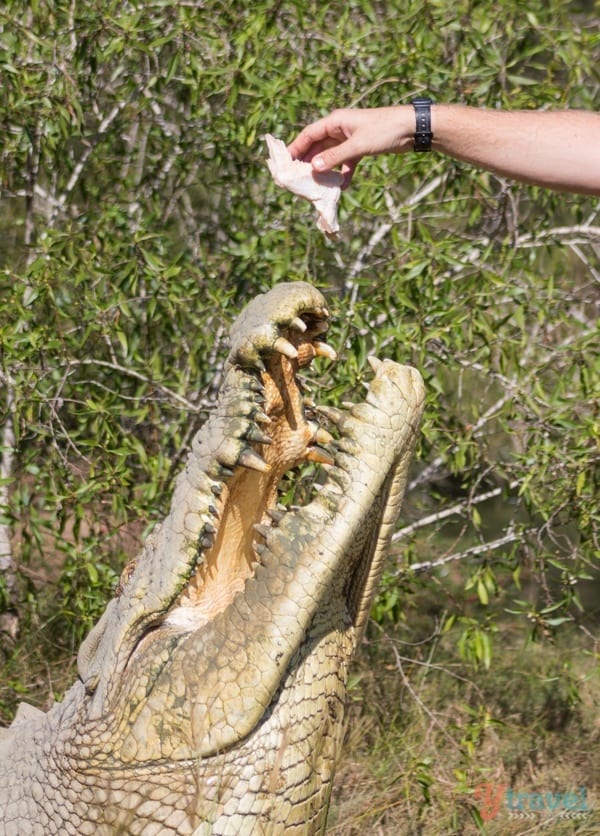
[494, 799]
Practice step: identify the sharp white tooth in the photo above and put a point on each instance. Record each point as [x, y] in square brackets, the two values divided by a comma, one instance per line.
[317, 454]
[324, 350]
[285, 347]
[318, 434]
[323, 437]
[248, 458]
[261, 417]
[255, 434]
[298, 323]
[303, 383]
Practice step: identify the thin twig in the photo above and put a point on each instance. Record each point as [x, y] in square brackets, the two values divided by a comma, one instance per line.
[7, 453]
[473, 551]
[169, 393]
[458, 509]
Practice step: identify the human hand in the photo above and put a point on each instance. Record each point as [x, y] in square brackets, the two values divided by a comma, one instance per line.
[345, 136]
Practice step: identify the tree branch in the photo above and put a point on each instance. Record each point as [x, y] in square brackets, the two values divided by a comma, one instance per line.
[164, 390]
[459, 509]
[473, 551]
[7, 453]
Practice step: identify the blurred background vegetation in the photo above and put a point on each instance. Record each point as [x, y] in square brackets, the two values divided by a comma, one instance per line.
[137, 217]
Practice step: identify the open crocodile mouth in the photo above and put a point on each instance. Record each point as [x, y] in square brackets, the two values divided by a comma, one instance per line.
[230, 583]
[247, 501]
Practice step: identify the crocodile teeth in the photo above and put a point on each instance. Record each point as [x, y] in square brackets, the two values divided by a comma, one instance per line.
[276, 514]
[298, 324]
[285, 347]
[322, 436]
[324, 350]
[263, 530]
[258, 397]
[255, 434]
[319, 435]
[318, 454]
[261, 417]
[249, 458]
[331, 413]
[303, 385]
[254, 384]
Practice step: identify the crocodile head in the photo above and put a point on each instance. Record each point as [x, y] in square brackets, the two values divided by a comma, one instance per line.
[225, 651]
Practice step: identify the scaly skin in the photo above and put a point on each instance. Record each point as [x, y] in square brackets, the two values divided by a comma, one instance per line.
[211, 692]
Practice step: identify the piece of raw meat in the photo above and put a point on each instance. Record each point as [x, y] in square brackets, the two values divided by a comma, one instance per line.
[323, 190]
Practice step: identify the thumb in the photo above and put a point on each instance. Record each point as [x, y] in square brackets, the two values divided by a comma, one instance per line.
[334, 157]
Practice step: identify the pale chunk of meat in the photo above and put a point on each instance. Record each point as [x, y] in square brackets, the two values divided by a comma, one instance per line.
[323, 190]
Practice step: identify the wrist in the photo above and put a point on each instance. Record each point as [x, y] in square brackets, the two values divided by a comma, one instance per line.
[399, 123]
[423, 131]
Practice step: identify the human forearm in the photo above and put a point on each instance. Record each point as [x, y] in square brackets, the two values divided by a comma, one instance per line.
[556, 149]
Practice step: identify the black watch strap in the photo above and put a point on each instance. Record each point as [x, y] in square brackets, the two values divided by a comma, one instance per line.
[423, 134]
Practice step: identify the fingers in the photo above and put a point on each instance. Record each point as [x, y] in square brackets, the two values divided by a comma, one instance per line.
[323, 159]
[347, 170]
[334, 142]
[319, 134]
[341, 139]
[318, 147]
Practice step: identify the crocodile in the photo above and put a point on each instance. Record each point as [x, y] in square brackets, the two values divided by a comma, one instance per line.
[210, 694]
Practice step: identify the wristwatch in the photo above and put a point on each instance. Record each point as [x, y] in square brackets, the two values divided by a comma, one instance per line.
[423, 133]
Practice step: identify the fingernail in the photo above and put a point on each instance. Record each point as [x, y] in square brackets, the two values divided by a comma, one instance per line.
[318, 163]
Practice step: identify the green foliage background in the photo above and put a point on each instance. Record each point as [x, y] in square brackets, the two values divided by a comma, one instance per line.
[138, 216]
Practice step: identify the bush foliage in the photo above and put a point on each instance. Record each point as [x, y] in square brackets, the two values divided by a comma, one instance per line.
[138, 216]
